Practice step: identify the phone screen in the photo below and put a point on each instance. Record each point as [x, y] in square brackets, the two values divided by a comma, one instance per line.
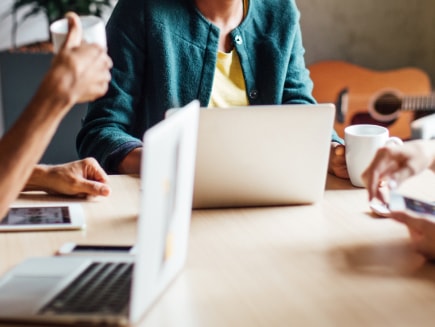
[419, 206]
[37, 216]
[101, 248]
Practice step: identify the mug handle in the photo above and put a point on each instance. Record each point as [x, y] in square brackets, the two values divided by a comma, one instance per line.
[393, 140]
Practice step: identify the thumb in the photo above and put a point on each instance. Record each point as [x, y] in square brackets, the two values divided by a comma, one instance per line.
[74, 36]
[93, 188]
[415, 223]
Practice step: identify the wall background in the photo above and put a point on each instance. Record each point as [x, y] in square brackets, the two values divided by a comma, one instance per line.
[376, 34]
[380, 35]
[31, 30]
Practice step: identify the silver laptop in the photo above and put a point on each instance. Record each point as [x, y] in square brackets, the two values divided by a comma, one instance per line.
[119, 290]
[262, 155]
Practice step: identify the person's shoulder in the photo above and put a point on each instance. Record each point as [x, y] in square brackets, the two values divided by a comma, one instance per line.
[145, 11]
[281, 10]
[287, 5]
[152, 5]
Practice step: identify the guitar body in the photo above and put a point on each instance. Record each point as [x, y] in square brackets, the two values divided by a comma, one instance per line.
[355, 91]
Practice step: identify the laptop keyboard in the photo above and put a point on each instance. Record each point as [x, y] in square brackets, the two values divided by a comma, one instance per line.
[101, 288]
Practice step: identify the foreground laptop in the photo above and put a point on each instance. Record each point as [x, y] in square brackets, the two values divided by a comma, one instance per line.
[119, 290]
[262, 155]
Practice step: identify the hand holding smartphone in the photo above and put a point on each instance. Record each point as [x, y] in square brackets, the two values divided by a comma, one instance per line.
[398, 202]
[414, 207]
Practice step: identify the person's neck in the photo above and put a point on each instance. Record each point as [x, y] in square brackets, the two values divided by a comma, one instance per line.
[221, 12]
[225, 14]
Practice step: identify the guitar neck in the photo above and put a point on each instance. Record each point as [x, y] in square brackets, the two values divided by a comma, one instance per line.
[418, 102]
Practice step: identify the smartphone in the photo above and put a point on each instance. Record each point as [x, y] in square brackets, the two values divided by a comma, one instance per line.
[380, 209]
[84, 249]
[411, 205]
[43, 217]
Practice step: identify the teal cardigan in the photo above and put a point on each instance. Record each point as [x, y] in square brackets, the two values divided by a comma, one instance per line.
[164, 54]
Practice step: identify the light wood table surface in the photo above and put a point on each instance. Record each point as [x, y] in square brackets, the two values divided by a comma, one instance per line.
[328, 264]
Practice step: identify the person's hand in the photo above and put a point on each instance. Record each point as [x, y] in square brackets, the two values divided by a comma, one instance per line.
[337, 161]
[77, 178]
[80, 72]
[397, 163]
[421, 231]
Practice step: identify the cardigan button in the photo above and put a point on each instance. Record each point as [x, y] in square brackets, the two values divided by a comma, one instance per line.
[238, 39]
[253, 94]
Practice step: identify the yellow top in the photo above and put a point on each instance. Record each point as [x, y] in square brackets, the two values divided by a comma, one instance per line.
[229, 84]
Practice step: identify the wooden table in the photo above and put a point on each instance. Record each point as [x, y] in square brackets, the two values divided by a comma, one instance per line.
[328, 264]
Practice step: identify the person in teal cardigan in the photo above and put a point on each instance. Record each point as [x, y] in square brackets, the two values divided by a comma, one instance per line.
[165, 55]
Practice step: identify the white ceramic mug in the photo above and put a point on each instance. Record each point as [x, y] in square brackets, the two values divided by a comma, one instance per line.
[362, 142]
[94, 31]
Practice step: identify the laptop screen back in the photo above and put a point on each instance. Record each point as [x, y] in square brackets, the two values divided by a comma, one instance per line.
[262, 155]
[167, 174]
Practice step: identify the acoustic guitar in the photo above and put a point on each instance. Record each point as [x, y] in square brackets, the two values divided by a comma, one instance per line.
[363, 96]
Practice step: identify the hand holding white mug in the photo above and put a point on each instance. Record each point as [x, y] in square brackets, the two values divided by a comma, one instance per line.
[362, 143]
[90, 28]
[80, 71]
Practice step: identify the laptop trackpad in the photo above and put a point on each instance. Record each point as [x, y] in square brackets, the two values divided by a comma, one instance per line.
[22, 294]
[28, 284]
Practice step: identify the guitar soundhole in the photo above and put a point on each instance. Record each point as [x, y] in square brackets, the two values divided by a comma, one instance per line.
[387, 104]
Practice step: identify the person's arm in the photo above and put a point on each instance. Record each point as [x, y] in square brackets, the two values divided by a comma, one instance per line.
[398, 163]
[23, 145]
[298, 85]
[298, 88]
[77, 74]
[113, 126]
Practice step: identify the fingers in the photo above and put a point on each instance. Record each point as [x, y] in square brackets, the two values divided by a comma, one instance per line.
[94, 170]
[337, 161]
[95, 56]
[92, 72]
[93, 179]
[84, 177]
[74, 37]
[93, 188]
[95, 91]
[384, 167]
[339, 150]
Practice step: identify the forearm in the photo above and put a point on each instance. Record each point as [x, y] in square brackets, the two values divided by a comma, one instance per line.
[23, 145]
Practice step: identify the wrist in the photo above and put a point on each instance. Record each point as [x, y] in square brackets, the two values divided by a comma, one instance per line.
[57, 88]
[38, 179]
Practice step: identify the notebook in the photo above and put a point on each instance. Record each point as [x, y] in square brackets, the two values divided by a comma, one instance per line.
[262, 155]
[118, 290]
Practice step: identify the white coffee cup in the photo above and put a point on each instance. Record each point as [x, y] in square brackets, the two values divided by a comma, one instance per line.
[94, 31]
[362, 142]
